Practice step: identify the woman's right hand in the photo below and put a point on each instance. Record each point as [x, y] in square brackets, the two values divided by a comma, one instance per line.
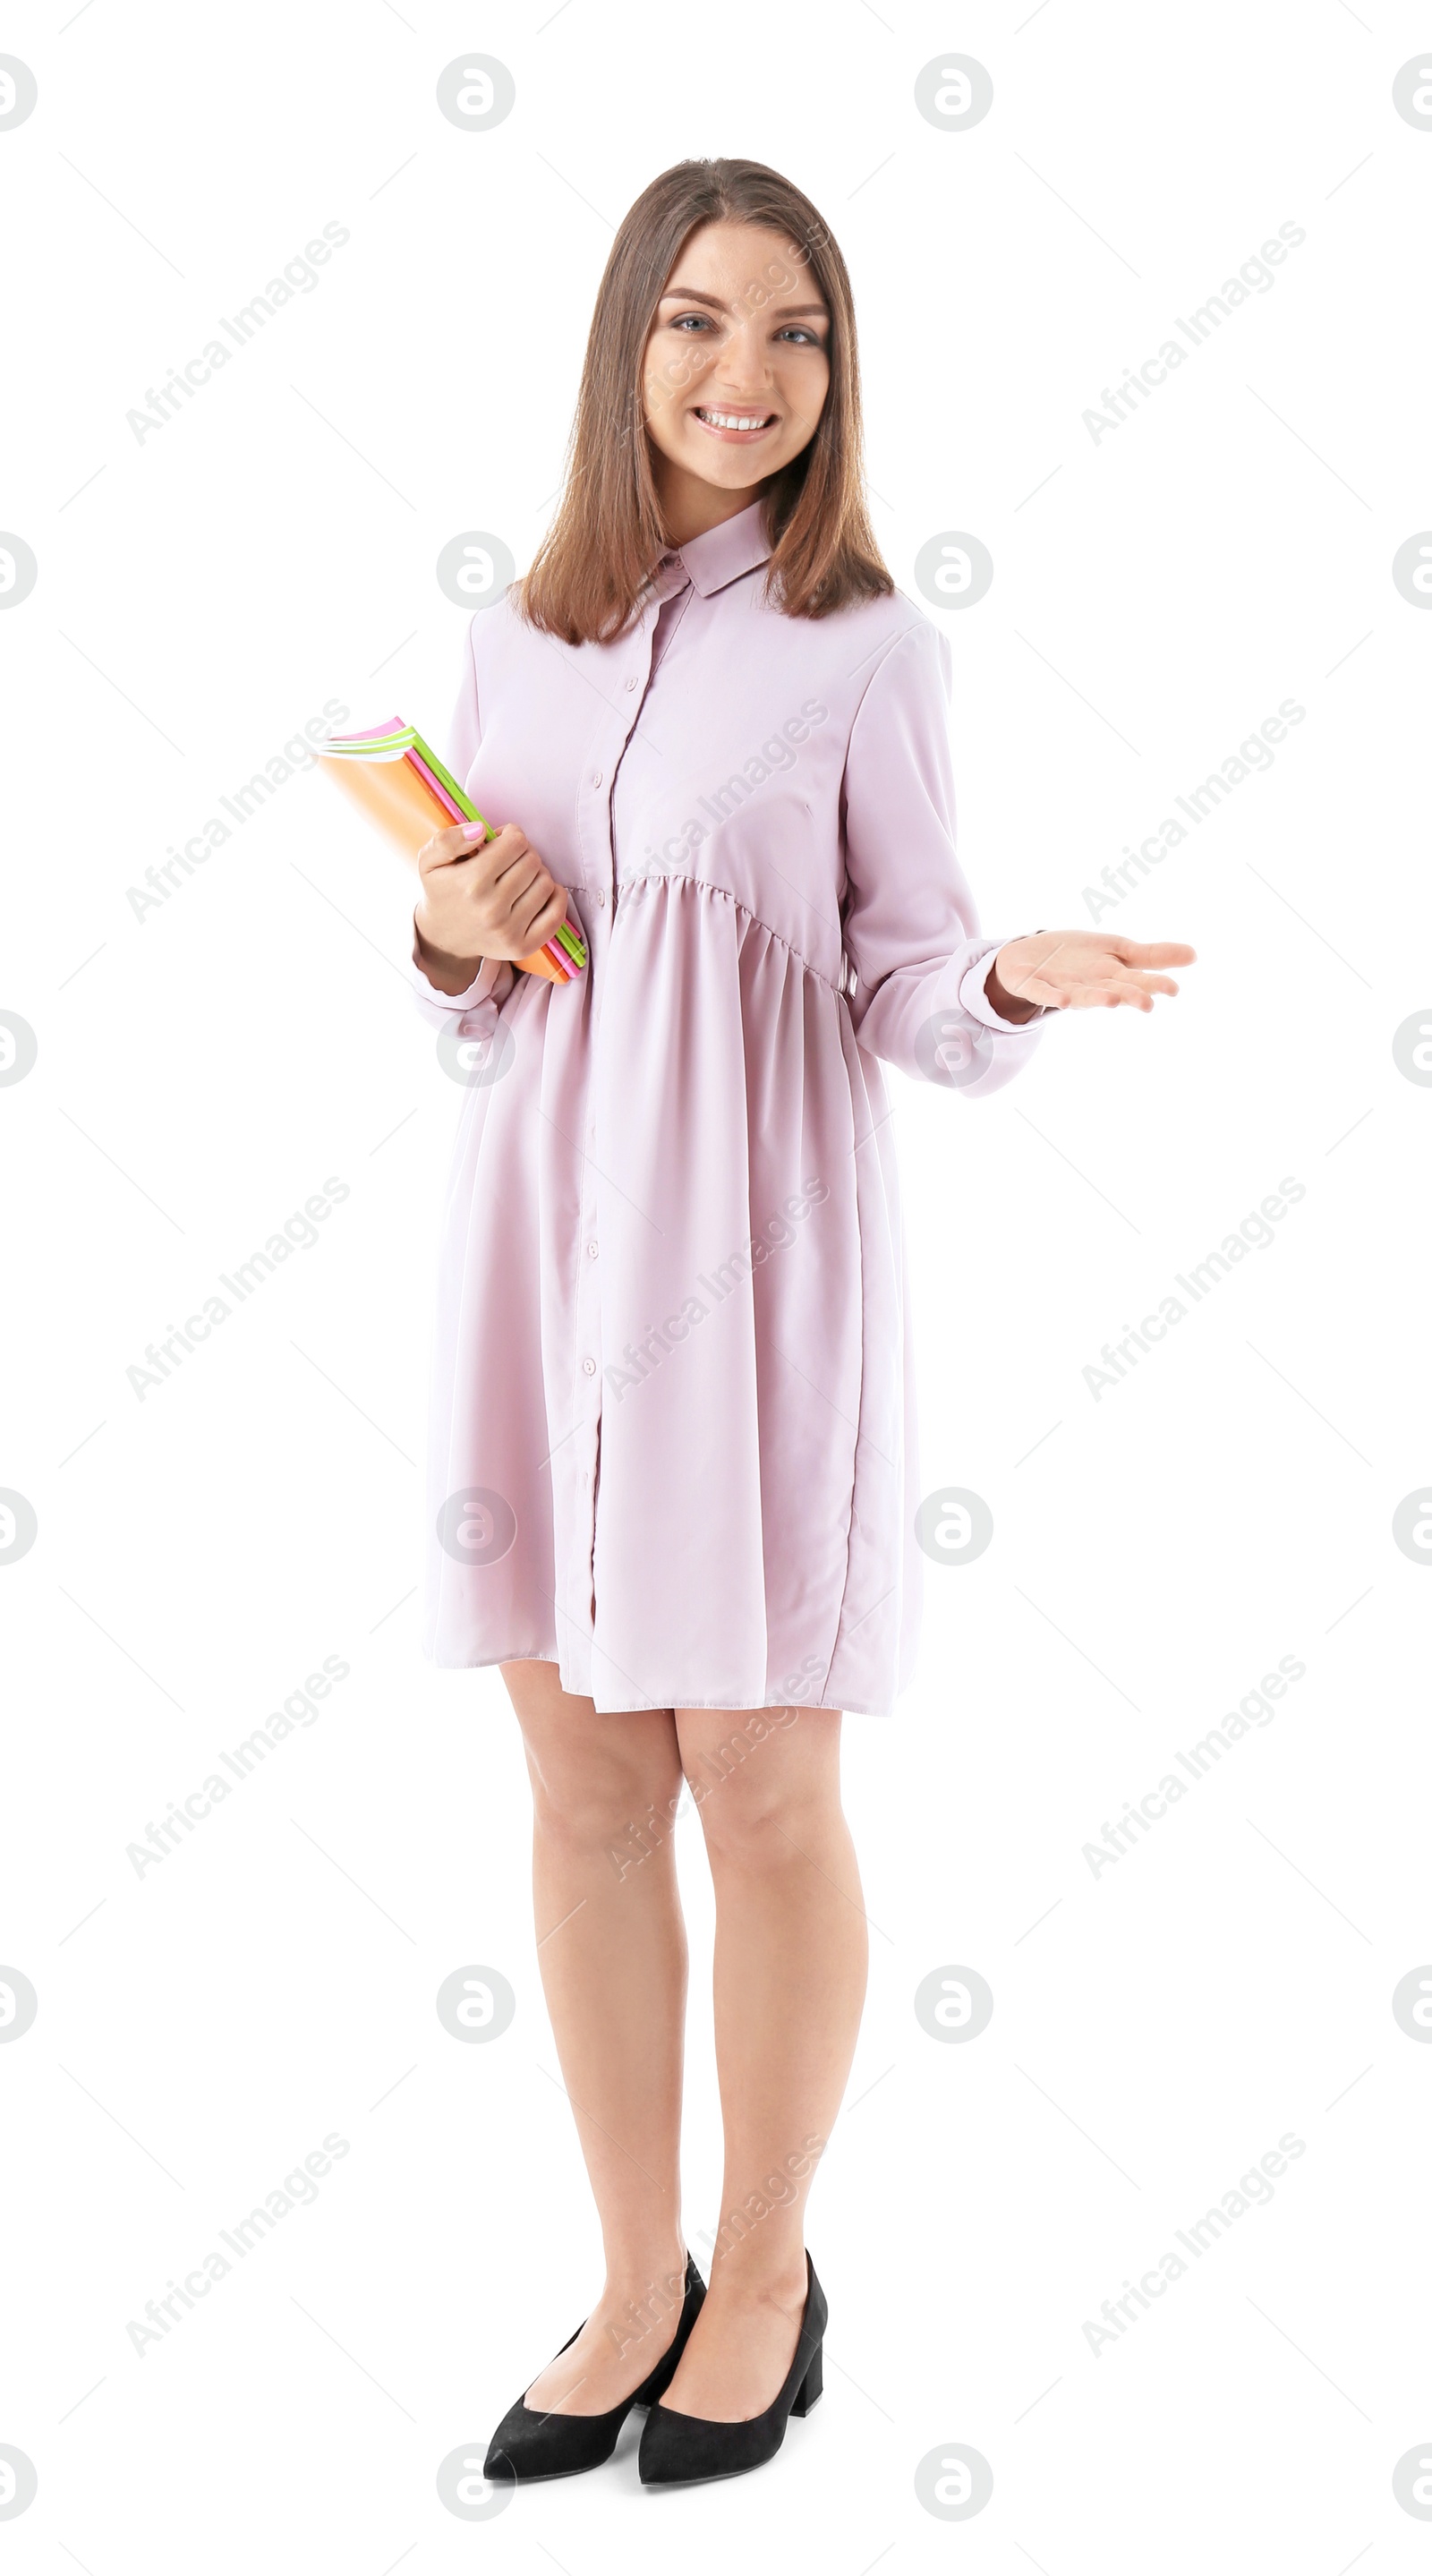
[483, 899]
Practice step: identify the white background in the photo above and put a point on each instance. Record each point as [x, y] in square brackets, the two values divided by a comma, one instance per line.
[204, 1068]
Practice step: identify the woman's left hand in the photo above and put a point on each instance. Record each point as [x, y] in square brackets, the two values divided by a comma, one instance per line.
[1078, 970]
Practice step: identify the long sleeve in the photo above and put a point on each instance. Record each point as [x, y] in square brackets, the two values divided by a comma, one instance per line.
[495, 976]
[911, 931]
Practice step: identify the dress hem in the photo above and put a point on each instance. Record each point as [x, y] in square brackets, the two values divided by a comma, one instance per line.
[640, 1707]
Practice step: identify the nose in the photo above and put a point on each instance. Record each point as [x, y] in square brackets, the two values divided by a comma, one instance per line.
[741, 367]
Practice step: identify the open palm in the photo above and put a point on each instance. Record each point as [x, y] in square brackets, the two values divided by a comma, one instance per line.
[1078, 970]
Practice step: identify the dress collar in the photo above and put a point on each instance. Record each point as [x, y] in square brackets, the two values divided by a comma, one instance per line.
[709, 562]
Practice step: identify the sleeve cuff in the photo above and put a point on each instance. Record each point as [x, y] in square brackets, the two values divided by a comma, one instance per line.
[487, 984]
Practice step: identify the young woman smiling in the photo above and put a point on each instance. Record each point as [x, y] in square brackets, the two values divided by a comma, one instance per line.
[679, 1413]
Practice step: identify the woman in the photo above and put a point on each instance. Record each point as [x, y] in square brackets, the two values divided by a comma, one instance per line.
[673, 1477]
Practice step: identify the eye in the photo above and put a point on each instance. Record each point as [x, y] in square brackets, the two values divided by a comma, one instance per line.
[799, 331]
[680, 321]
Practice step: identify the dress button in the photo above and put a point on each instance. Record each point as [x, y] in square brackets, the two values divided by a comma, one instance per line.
[592, 1251]
[601, 900]
[631, 684]
[590, 1367]
[596, 782]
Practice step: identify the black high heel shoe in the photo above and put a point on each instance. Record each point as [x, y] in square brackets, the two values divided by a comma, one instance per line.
[529, 2445]
[677, 2448]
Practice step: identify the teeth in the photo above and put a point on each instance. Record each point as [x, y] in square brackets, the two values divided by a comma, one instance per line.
[735, 420]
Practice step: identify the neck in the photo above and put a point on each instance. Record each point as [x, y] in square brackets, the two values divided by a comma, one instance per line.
[690, 507]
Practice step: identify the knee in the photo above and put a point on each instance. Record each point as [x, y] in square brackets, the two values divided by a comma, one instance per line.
[754, 1815]
[604, 1805]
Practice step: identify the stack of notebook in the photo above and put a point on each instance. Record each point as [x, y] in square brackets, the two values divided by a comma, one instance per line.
[403, 787]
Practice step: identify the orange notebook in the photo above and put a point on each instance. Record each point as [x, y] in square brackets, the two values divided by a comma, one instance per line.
[390, 774]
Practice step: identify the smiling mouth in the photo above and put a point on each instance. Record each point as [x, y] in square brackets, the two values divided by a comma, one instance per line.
[734, 424]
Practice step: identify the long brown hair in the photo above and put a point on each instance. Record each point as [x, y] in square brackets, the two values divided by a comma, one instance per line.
[607, 535]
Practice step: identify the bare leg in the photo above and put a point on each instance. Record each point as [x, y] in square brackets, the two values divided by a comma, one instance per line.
[612, 1947]
[791, 1954]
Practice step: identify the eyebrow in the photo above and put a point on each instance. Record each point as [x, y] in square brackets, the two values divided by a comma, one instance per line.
[693, 295]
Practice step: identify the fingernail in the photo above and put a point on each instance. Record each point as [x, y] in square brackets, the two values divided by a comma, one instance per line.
[475, 830]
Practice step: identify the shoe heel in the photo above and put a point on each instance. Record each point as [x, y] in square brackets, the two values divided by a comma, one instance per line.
[812, 2385]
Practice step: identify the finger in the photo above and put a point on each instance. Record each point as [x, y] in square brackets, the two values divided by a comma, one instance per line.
[1103, 996]
[1098, 987]
[504, 854]
[1153, 952]
[550, 919]
[447, 847]
[524, 887]
[1110, 995]
[1146, 983]
[543, 910]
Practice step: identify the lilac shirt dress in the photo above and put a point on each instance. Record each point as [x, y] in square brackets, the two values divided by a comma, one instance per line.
[673, 1428]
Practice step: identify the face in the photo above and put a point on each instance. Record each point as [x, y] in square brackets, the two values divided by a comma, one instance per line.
[736, 369]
